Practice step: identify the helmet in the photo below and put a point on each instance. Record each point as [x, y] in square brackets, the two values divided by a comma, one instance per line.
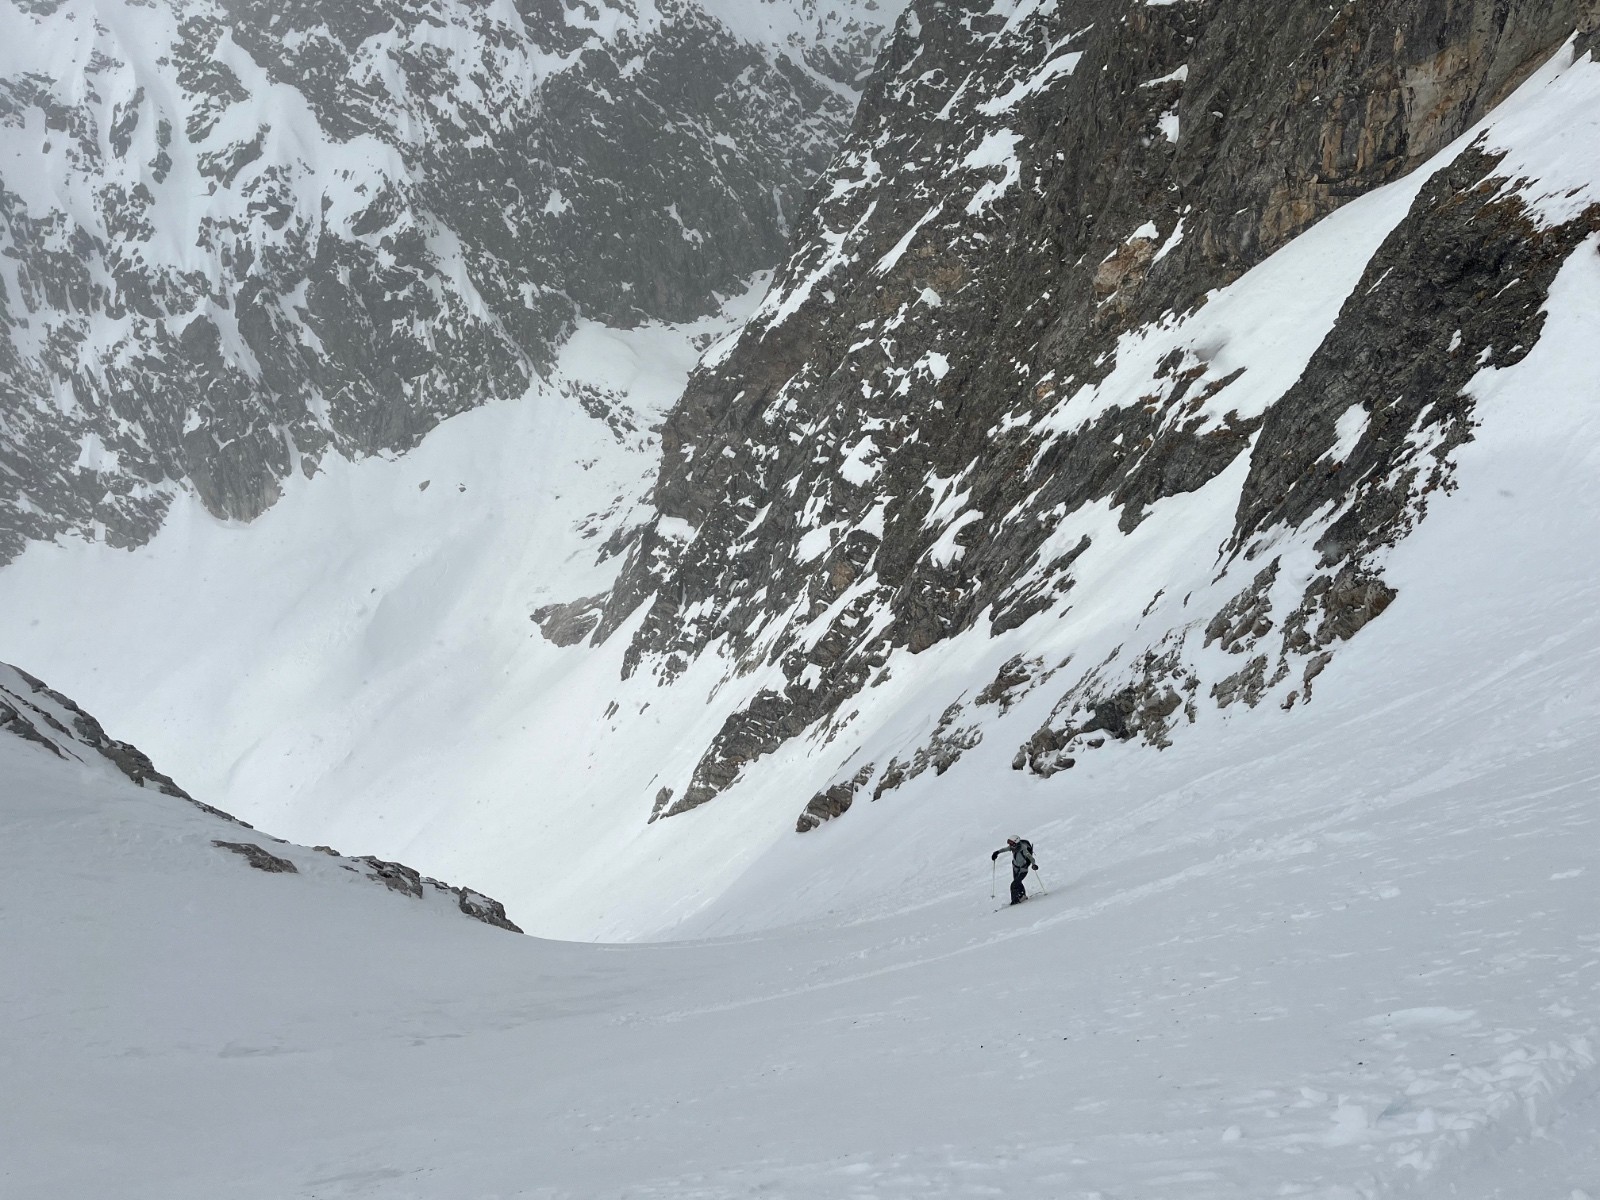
[1012, 841]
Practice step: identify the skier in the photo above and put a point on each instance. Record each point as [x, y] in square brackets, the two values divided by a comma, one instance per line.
[1021, 859]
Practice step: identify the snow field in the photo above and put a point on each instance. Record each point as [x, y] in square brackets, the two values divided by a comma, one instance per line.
[293, 667]
[1341, 959]
[1347, 952]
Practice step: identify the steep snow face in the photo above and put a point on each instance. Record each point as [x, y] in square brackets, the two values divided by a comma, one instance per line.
[360, 667]
[1348, 953]
[240, 237]
[360, 661]
[1343, 950]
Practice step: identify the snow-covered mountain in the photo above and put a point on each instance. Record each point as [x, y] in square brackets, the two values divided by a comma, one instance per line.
[1171, 435]
[68, 773]
[238, 237]
[1344, 952]
[959, 490]
[1023, 322]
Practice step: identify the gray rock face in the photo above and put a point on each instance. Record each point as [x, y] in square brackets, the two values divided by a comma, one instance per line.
[1020, 193]
[570, 623]
[258, 858]
[39, 715]
[248, 235]
[398, 877]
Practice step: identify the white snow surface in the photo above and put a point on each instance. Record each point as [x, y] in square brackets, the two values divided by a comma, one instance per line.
[1347, 952]
[361, 659]
[1350, 954]
[789, 26]
[358, 667]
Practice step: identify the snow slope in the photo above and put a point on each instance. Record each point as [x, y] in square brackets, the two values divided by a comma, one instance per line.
[363, 655]
[359, 667]
[1349, 955]
[1345, 952]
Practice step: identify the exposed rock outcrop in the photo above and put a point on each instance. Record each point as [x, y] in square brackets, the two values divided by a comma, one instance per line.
[259, 858]
[398, 877]
[933, 384]
[570, 623]
[833, 802]
[31, 710]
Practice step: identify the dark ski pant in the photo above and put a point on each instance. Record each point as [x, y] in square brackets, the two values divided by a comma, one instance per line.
[1018, 892]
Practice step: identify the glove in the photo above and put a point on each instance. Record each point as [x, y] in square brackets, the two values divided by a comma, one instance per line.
[1035, 866]
[994, 856]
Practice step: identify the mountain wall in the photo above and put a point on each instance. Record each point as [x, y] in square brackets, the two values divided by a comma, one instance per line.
[238, 237]
[1005, 336]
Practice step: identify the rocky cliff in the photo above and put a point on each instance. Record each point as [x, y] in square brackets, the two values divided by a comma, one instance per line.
[1022, 318]
[237, 237]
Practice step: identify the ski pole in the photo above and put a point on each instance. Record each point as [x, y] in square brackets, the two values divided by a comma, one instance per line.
[1043, 891]
[993, 867]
